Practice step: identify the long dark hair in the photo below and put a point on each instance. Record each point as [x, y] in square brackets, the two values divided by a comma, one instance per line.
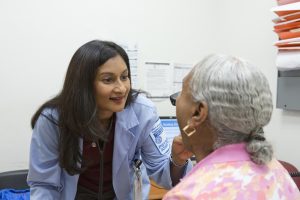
[76, 104]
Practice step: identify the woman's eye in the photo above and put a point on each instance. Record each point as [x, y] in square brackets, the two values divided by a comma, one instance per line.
[107, 80]
[124, 77]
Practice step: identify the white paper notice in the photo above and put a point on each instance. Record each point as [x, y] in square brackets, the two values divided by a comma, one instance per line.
[132, 52]
[180, 71]
[159, 79]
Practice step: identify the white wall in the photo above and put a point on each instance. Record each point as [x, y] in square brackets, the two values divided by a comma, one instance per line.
[38, 38]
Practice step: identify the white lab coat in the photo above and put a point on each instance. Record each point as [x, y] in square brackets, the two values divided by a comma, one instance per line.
[134, 137]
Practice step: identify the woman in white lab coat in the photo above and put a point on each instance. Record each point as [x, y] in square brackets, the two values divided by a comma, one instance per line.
[89, 141]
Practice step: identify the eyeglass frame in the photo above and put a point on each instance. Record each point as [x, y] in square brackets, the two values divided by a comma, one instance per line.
[173, 98]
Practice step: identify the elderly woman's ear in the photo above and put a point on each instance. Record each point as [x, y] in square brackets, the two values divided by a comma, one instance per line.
[200, 114]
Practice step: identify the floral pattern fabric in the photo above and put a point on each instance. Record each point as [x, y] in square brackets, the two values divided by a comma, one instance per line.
[228, 173]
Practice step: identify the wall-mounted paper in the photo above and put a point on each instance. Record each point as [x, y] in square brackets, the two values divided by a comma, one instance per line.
[132, 52]
[158, 79]
[180, 71]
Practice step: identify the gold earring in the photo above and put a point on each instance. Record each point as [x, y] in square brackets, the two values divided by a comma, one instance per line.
[189, 134]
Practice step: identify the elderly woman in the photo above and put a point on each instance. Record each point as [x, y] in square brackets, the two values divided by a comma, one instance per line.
[223, 106]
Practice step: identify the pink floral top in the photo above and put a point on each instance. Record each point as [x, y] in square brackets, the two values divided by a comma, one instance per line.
[228, 173]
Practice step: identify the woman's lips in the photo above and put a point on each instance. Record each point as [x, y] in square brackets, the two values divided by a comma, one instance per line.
[117, 100]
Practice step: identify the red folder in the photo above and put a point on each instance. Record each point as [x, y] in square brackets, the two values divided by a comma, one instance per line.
[287, 35]
[283, 2]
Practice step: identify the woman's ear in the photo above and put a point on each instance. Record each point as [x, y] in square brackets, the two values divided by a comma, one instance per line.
[200, 114]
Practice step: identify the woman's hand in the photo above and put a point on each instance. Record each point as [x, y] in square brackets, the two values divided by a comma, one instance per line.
[179, 153]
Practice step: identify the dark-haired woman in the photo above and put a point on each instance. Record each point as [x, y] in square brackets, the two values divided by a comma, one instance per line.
[98, 139]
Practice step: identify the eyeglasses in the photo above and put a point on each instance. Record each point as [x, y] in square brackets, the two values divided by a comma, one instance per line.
[173, 98]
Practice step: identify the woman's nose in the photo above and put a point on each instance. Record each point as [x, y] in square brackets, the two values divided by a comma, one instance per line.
[119, 87]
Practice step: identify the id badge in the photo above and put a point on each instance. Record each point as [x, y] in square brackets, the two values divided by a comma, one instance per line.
[137, 180]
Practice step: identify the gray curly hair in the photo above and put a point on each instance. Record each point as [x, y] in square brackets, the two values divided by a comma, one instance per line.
[239, 101]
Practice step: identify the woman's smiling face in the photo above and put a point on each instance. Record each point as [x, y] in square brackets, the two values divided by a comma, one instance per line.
[111, 86]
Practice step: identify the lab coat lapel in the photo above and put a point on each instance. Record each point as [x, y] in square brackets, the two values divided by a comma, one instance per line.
[123, 141]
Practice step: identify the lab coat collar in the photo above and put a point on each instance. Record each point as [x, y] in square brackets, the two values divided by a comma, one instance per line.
[127, 118]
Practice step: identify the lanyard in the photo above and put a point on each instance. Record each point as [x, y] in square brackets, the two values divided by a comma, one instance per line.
[137, 179]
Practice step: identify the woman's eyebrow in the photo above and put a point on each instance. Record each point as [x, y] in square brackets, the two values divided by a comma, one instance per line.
[111, 73]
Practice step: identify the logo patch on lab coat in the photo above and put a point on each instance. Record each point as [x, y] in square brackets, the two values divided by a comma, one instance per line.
[159, 137]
